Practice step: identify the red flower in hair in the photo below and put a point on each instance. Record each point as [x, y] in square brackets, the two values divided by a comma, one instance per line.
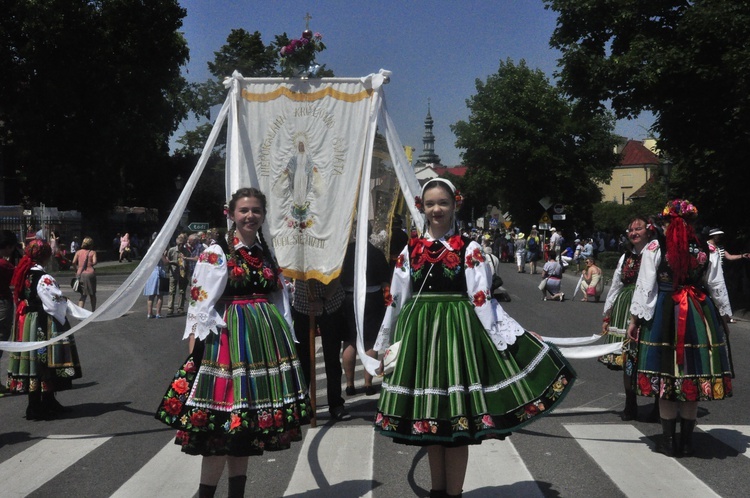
[418, 203]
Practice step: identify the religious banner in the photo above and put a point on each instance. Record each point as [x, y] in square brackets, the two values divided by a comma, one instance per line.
[306, 142]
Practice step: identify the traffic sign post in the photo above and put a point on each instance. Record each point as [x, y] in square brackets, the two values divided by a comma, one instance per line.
[545, 222]
[197, 227]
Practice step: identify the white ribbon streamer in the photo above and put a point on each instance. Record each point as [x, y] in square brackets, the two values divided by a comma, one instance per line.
[572, 341]
[584, 352]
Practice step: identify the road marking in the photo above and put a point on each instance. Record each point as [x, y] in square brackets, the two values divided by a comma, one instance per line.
[335, 461]
[734, 436]
[628, 459]
[495, 464]
[33, 467]
[157, 477]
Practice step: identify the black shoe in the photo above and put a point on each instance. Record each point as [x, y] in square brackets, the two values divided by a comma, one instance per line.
[351, 390]
[631, 407]
[38, 413]
[667, 445]
[369, 391]
[686, 437]
[340, 413]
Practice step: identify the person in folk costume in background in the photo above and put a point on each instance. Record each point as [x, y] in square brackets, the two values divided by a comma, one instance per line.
[241, 390]
[8, 246]
[714, 241]
[617, 312]
[446, 405]
[41, 312]
[678, 316]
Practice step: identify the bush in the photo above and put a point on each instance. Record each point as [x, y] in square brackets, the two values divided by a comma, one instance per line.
[607, 260]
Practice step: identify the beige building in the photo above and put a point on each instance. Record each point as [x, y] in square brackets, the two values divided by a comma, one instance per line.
[638, 162]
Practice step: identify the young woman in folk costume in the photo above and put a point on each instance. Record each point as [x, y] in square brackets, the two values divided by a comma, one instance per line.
[678, 316]
[41, 311]
[617, 311]
[241, 390]
[465, 370]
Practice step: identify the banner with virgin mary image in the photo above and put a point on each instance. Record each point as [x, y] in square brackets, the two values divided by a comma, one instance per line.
[304, 142]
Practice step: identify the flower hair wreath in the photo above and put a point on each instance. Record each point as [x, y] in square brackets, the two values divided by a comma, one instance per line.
[681, 208]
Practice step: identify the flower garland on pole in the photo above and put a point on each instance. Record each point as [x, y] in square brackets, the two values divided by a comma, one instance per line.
[297, 58]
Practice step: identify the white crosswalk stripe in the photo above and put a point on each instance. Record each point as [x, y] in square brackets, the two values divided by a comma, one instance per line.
[620, 451]
[40, 463]
[328, 459]
[487, 459]
[168, 462]
[339, 459]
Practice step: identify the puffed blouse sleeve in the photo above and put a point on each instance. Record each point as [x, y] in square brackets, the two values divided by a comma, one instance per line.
[615, 288]
[208, 283]
[53, 301]
[501, 328]
[647, 286]
[399, 293]
[714, 282]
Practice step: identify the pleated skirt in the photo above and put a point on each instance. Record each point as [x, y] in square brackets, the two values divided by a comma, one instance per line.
[451, 386]
[704, 371]
[241, 392]
[51, 368]
[618, 327]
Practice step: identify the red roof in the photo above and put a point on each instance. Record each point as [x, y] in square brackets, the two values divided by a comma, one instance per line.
[457, 170]
[635, 154]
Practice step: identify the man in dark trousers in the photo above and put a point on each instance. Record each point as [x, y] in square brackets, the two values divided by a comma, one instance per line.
[325, 302]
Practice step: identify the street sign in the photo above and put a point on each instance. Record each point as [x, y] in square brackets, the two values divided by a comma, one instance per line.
[558, 217]
[197, 227]
[559, 209]
[493, 222]
[545, 222]
[507, 224]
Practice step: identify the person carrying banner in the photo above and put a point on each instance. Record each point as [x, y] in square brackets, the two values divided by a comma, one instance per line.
[325, 303]
[241, 390]
[465, 370]
[678, 317]
[41, 311]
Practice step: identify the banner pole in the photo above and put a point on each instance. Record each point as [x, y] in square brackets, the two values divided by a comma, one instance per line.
[312, 384]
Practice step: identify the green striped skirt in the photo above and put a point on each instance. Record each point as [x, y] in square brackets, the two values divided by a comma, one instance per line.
[451, 385]
[618, 327]
[242, 391]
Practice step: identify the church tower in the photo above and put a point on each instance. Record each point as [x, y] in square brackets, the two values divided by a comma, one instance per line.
[428, 155]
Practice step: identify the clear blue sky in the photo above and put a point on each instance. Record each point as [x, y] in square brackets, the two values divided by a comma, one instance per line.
[435, 49]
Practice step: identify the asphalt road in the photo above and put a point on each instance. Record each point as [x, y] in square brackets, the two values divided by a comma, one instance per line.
[580, 450]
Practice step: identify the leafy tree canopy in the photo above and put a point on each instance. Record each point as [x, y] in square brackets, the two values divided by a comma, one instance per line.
[689, 64]
[525, 141]
[89, 95]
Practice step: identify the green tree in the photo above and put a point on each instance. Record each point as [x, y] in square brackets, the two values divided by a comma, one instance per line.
[525, 141]
[246, 53]
[89, 95]
[686, 62]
